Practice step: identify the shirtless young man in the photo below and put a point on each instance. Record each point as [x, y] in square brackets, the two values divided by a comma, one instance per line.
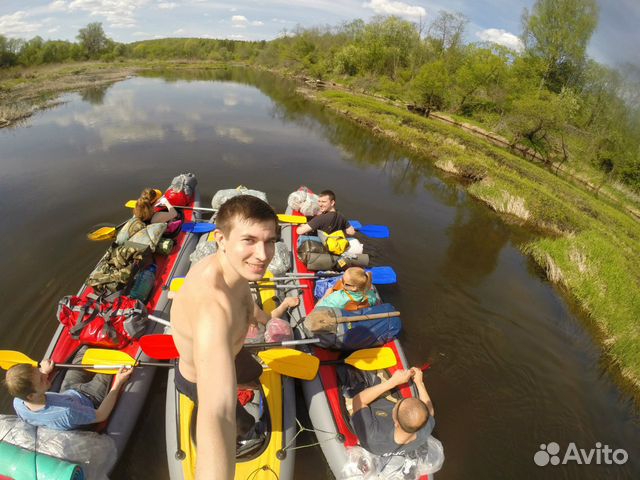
[209, 319]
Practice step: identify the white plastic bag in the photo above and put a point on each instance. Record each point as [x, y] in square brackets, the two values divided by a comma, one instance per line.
[304, 201]
[203, 249]
[222, 196]
[425, 460]
[281, 262]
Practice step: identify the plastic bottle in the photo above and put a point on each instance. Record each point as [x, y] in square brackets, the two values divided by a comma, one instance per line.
[143, 283]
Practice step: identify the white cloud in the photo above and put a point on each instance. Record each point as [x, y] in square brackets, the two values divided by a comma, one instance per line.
[240, 21]
[281, 20]
[179, 31]
[390, 7]
[14, 25]
[237, 134]
[167, 5]
[119, 13]
[230, 100]
[501, 37]
[53, 30]
[58, 6]
[236, 37]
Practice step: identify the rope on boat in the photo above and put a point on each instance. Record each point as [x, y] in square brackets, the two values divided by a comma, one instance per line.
[304, 429]
[263, 468]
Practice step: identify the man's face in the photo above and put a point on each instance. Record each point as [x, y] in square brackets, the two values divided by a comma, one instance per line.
[249, 247]
[326, 204]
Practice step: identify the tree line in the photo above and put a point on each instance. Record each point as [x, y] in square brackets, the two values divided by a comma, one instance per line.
[548, 95]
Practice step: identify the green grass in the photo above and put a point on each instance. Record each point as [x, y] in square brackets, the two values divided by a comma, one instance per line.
[588, 245]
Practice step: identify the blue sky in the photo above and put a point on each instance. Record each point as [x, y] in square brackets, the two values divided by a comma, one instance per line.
[615, 40]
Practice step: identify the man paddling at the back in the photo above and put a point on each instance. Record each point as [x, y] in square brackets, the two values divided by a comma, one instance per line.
[209, 319]
[329, 220]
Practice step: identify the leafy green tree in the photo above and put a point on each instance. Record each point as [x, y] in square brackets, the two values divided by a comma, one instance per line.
[558, 31]
[482, 69]
[93, 39]
[445, 33]
[7, 56]
[540, 119]
[31, 52]
[431, 86]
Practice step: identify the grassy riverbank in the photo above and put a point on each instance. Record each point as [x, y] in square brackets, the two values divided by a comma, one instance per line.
[588, 245]
[24, 91]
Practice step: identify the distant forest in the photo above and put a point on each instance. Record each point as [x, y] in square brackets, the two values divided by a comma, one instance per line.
[547, 95]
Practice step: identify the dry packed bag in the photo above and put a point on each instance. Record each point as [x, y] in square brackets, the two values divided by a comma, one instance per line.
[335, 242]
[102, 323]
[182, 189]
[336, 331]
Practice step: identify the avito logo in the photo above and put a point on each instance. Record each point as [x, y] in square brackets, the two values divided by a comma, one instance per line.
[600, 455]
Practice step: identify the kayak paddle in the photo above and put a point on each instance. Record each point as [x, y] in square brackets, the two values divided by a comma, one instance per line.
[104, 231]
[368, 359]
[102, 360]
[177, 282]
[162, 346]
[379, 275]
[10, 358]
[94, 360]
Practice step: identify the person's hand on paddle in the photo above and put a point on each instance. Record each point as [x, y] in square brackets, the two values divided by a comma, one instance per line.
[400, 376]
[122, 376]
[417, 374]
[46, 366]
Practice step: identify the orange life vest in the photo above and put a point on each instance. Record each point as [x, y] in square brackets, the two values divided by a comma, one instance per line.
[353, 304]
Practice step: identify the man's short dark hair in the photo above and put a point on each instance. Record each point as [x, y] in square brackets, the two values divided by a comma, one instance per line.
[413, 415]
[244, 207]
[328, 193]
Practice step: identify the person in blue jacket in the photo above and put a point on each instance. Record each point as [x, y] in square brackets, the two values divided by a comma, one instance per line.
[84, 398]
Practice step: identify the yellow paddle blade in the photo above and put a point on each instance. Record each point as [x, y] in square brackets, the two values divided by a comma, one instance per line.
[372, 359]
[290, 362]
[9, 358]
[268, 295]
[100, 359]
[176, 284]
[292, 218]
[103, 233]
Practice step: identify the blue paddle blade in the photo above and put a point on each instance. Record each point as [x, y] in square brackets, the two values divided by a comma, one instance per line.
[383, 275]
[374, 231]
[355, 224]
[198, 227]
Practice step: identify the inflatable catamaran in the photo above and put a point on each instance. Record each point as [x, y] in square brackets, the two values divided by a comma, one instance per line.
[328, 408]
[152, 253]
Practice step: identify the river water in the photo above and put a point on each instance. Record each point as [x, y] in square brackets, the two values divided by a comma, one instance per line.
[513, 365]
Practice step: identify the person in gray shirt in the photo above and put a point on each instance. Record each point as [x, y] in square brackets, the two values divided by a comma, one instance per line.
[406, 429]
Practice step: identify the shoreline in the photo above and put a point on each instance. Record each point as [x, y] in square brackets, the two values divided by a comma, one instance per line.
[587, 244]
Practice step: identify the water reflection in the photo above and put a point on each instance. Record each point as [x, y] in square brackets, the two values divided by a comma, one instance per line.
[95, 95]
